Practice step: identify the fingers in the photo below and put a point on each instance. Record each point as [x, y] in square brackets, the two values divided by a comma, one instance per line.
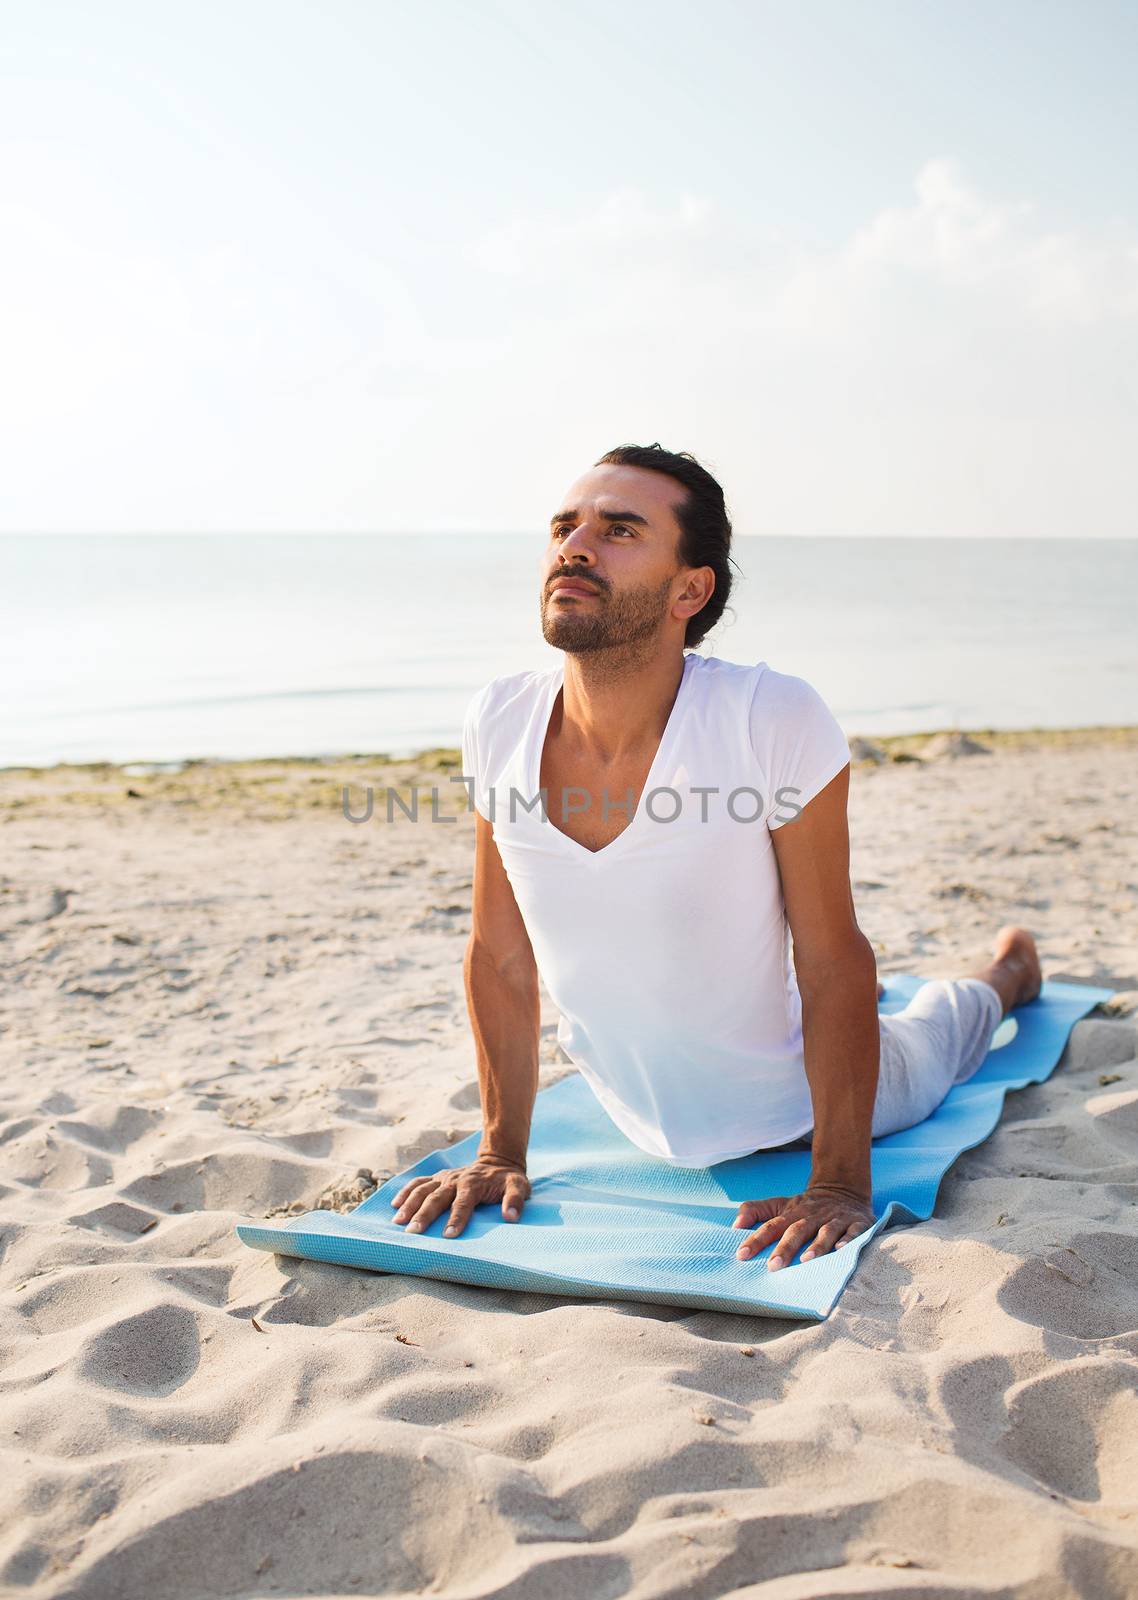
[422, 1200]
[432, 1206]
[517, 1192]
[464, 1205]
[827, 1237]
[851, 1233]
[790, 1244]
[415, 1183]
[459, 1217]
[758, 1241]
[752, 1211]
[789, 1223]
[411, 1204]
[790, 1232]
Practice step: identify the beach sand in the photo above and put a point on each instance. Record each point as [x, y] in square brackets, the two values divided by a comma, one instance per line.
[221, 999]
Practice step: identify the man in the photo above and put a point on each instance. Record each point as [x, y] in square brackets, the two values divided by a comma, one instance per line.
[692, 823]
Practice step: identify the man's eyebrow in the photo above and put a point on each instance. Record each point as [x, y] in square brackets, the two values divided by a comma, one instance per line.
[611, 516]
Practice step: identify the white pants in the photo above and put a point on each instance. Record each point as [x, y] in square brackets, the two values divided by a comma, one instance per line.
[938, 1040]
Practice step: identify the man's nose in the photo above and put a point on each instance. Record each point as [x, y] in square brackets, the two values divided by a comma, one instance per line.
[579, 541]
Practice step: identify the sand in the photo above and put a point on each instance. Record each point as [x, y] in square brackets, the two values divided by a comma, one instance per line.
[221, 1000]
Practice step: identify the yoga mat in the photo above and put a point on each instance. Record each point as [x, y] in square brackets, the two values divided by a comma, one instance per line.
[606, 1221]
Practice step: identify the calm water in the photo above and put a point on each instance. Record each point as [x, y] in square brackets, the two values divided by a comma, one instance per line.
[159, 648]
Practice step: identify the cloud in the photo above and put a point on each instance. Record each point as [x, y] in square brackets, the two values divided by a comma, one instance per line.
[967, 242]
[957, 363]
[950, 240]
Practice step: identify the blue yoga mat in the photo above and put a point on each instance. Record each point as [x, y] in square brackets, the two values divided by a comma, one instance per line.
[606, 1221]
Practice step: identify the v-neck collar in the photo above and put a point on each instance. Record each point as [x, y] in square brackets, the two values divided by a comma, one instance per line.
[555, 684]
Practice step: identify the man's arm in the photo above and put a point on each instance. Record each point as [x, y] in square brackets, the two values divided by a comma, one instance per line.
[837, 978]
[504, 1003]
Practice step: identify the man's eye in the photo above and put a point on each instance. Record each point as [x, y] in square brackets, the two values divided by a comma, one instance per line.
[617, 527]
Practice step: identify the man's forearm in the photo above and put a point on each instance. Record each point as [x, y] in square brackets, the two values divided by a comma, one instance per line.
[505, 1018]
[842, 1046]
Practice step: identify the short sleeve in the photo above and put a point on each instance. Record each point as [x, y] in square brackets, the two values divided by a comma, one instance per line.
[798, 743]
[473, 769]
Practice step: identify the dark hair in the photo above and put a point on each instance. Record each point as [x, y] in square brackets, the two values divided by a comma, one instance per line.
[705, 528]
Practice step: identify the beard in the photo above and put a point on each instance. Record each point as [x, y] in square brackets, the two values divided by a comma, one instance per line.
[609, 621]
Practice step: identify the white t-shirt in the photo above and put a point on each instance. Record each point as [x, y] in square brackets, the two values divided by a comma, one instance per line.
[668, 952]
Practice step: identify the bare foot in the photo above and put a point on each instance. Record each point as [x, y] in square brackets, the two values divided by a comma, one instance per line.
[1015, 973]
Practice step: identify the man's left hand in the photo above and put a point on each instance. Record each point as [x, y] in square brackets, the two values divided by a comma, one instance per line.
[825, 1216]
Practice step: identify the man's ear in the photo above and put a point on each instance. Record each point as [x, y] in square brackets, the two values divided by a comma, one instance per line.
[701, 587]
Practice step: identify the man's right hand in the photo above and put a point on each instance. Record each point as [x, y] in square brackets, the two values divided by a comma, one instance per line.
[485, 1180]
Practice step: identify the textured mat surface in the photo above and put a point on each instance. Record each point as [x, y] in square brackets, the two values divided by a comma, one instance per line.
[606, 1221]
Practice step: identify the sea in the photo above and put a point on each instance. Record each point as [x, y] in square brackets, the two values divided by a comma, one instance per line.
[154, 648]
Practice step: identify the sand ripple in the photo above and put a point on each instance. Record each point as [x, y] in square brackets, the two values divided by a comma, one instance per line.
[211, 1017]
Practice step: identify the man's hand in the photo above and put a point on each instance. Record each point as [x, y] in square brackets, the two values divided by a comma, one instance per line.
[462, 1188]
[825, 1214]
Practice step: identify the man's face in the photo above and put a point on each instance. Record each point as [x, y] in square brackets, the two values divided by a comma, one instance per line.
[615, 532]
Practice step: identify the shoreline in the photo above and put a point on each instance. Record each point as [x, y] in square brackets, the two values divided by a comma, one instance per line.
[280, 788]
[450, 755]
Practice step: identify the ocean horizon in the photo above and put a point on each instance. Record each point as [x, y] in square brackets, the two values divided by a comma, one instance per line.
[172, 647]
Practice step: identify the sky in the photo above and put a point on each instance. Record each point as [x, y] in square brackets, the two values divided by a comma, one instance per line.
[409, 267]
